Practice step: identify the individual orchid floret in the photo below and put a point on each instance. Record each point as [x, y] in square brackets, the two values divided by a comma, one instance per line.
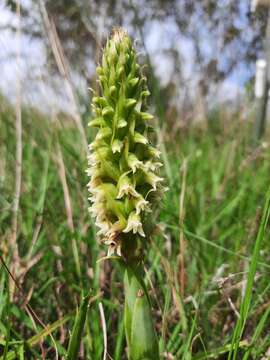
[134, 224]
[134, 163]
[141, 205]
[126, 187]
[153, 180]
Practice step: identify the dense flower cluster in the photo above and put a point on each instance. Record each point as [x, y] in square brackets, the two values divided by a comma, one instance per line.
[123, 166]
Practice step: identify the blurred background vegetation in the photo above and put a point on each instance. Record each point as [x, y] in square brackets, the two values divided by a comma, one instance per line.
[200, 64]
[198, 53]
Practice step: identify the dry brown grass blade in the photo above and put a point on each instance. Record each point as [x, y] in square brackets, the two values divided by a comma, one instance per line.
[104, 329]
[62, 175]
[63, 68]
[13, 246]
[182, 272]
[68, 205]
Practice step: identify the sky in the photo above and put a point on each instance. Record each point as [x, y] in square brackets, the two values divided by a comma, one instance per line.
[32, 63]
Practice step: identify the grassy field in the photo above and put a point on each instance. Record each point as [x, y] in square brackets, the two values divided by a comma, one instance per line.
[207, 266]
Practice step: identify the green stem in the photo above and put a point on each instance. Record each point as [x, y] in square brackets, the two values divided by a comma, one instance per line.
[140, 332]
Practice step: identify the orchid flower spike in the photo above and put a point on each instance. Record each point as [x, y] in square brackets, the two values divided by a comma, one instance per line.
[123, 166]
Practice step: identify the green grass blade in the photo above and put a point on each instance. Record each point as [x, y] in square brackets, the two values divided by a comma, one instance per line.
[187, 354]
[257, 333]
[216, 353]
[34, 340]
[245, 305]
[77, 331]
[119, 340]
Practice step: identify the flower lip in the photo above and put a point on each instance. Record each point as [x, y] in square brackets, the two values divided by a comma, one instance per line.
[141, 205]
[153, 180]
[126, 187]
[134, 224]
[117, 146]
[134, 163]
[152, 165]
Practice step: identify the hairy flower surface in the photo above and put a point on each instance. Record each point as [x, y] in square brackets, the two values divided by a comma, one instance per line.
[123, 166]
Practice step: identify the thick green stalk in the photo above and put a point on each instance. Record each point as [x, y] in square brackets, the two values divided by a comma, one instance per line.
[140, 331]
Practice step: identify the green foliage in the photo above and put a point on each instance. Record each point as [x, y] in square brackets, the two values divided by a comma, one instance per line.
[226, 185]
[77, 331]
[246, 302]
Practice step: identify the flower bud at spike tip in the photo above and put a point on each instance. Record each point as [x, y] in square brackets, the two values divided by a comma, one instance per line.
[123, 168]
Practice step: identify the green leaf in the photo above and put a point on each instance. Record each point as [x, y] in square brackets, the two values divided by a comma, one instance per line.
[77, 331]
[140, 332]
[143, 342]
[245, 305]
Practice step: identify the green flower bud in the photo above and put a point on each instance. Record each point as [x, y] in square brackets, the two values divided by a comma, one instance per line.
[123, 166]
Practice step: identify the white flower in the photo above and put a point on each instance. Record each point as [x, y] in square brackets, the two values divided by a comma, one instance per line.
[126, 188]
[154, 152]
[117, 146]
[134, 163]
[153, 180]
[134, 224]
[152, 166]
[103, 227]
[93, 159]
[115, 228]
[141, 205]
[97, 208]
[95, 180]
[113, 249]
